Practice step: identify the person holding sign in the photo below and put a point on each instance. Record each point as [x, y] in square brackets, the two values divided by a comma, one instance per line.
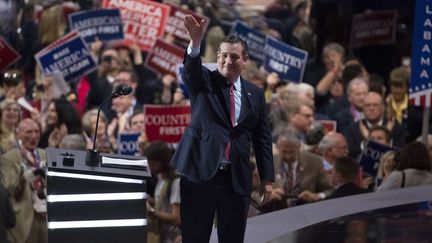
[228, 116]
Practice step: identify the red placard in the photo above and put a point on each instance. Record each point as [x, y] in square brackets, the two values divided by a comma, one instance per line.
[373, 28]
[175, 25]
[143, 21]
[8, 55]
[166, 122]
[328, 125]
[164, 58]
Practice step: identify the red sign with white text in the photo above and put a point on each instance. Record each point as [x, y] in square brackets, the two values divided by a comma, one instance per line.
[143, 21]
[164, 58]
[8, 55]
[175, 25]
[373, 28]
[166, 122]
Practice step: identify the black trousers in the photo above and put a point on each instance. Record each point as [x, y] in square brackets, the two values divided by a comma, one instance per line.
[200, 203]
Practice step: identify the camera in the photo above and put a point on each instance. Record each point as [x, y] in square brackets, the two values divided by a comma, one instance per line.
[11, 78]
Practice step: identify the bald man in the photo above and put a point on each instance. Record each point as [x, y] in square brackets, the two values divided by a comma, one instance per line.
[332, 146]
[24, 179]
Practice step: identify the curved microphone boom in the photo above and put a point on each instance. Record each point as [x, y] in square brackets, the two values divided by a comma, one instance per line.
[92, 156]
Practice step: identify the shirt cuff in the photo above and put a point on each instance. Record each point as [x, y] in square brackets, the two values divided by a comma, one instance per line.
[322, 195]
[193, 52]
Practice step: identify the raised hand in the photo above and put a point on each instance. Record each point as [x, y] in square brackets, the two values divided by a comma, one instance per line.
[195, 29]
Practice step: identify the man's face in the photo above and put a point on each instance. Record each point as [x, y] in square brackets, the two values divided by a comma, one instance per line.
[230, 60]
[373, 107]
[340, 148]
[124, 78]
[109, 58]
[378, 136]
[398, 91]
[357, 95]
[303, 120]
[122, 104]
[29, 134]
[289, 151]
[137, 123]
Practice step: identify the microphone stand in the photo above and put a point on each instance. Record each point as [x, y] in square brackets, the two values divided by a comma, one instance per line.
[93, 156]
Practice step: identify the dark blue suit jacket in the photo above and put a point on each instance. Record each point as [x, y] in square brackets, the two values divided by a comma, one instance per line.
[202, 146]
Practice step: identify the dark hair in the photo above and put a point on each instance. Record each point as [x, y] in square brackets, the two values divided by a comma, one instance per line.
[383, 129]
[350, 72]
[414, 155]
[347, 167]
[67, 114]
[159, 152]
[233, 39]
[376, 83]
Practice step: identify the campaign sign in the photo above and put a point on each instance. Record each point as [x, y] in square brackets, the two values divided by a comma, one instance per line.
[164, 58]
[328, 125]
[254, 39]
[287, 61]
[373, 28]
[371, 156]
[143, 21]
[166, 122]
[105, 24]
[8, 55]
[128, 143]
[420, 86]
[175, 25]
[69, 55]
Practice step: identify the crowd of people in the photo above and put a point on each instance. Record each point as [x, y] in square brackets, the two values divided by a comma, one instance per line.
[310, 164]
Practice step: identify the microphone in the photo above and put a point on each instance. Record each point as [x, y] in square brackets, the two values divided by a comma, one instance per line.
[92, 156]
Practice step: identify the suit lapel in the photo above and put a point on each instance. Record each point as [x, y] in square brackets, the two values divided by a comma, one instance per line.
[245, 102]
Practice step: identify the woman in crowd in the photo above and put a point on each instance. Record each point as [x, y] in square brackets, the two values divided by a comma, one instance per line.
[413, 168]
[88, 122]
[10, 113]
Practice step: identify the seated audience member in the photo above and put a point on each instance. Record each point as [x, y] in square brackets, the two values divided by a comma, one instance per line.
[386, 166]
[300, 176]
[344, 177]
[332, 146]
[164, 208]
[413, 168]
[374, 115]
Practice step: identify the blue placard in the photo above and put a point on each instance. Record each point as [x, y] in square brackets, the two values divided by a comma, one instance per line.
[105, 24]
[421, 65]
[371, 156]
[287, 61]
[70, 56]
[128, 143]
[253, 38]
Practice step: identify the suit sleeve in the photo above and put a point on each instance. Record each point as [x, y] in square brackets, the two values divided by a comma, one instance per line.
[194, 74]
[262, 143]
[8, 212]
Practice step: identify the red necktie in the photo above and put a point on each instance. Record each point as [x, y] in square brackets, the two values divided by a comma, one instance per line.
[232, 115]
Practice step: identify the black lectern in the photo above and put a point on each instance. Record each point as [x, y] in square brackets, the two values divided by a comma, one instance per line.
[100, 204]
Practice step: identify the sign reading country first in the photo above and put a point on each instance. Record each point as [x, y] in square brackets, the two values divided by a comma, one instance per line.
[105, 24]
[68, 55]
[287, 61]
[143, 21]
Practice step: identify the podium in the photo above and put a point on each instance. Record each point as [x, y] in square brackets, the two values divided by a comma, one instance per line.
[96, 204]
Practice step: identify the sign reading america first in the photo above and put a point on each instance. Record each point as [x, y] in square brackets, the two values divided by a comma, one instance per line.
[69, 55]
[421, 69]
[104, 24]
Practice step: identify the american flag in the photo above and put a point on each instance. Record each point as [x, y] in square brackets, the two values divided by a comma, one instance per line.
[420, 89]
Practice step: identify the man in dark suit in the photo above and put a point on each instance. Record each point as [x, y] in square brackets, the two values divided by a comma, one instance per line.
[228, 116]
[344, 177]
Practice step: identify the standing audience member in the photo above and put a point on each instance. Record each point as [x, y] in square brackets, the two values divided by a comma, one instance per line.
[164, 208]
[413, 168]
[10, 116]
[228, 117]
[7, 214]
[344, 177]
[23, 169]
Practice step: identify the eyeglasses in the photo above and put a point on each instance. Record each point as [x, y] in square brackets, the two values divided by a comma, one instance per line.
[374, 105]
